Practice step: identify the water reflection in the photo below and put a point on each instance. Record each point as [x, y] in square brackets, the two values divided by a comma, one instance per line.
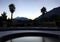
[27, 39]
[35, 39]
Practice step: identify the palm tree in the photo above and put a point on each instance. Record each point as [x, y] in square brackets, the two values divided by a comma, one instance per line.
[12, 9]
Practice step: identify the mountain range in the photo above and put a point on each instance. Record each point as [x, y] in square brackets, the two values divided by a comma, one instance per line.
[46, 16]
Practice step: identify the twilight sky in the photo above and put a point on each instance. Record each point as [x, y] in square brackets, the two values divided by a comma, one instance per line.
[27, 8]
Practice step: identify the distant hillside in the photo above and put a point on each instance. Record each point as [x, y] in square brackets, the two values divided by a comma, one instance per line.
[55, 11]
[22, 18]
[49, 14]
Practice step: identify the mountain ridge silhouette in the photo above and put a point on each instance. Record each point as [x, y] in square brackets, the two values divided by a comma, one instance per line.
[21, 18]
[54, 11]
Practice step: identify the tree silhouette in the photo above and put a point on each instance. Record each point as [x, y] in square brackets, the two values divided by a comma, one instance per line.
[12, 9]
[4, 16]
[43, 10]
